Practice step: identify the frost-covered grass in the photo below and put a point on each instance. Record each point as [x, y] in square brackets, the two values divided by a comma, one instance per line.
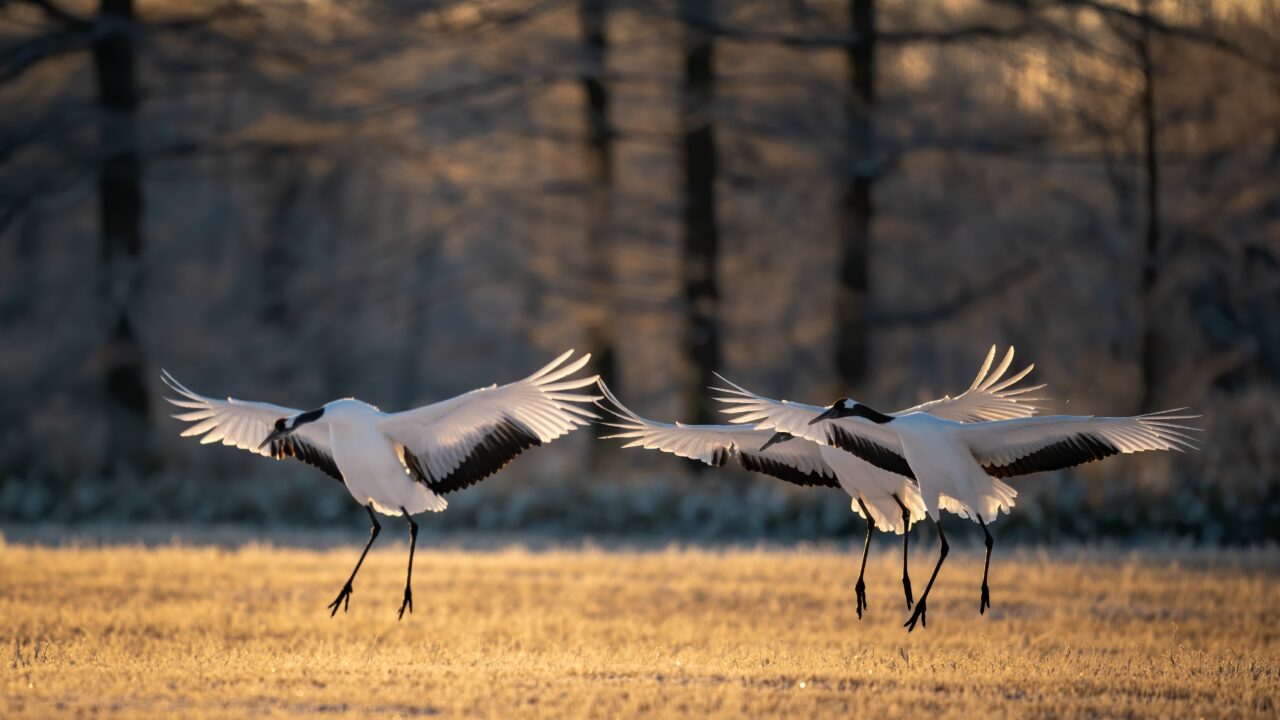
[205, 631]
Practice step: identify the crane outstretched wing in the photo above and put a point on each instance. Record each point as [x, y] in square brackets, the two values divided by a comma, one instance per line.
[244, 424]
[798, 462]
[765, 413]
[455, 443]
[869, 442]
[1017, 447]
[988, 397]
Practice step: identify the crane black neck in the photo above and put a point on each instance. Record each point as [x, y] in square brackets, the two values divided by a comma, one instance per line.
[875, 416]
[308, 416]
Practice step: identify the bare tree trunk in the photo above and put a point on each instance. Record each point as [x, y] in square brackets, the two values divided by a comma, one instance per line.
[286, 175]
[417, 314]
[121, 207]
[1150, 268]
[854, 292]
[701, 234]
[593, 16]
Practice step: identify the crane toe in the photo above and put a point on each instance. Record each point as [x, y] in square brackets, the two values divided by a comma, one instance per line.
[917, 616]
[342, 601]
[406, 603]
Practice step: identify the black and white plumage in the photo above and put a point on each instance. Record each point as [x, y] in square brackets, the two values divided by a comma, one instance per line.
[799, 463]
[402, 463]
[888, 501]
[965, 461]
[991, 396]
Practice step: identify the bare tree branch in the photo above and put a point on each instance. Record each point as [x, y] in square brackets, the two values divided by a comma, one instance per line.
[961, 300]
[16, 61]
[229, 9]
[1157, 25]
[58, 14]
[830, 41]
[76, 34]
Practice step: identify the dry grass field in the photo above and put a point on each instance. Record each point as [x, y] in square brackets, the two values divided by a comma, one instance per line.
[198, 632]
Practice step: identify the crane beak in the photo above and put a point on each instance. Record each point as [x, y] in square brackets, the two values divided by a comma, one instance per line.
[775, 439]
[275, 435]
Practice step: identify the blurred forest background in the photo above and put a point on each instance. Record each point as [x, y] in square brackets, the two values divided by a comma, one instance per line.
[400, 200]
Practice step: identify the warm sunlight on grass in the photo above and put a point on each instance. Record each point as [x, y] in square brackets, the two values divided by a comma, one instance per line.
[205, 632]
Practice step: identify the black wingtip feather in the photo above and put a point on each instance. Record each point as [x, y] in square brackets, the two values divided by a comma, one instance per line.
[872, 452]
[294, 447]
[499, 446]
[1076, 450]
[719, 457]
[773, 468]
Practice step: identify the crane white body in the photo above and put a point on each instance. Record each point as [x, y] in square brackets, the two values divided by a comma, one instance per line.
[989, 397]
[889, 501]
[876, 488]
[930, 448]
[370, 462]
[965, 461]
[401, 463]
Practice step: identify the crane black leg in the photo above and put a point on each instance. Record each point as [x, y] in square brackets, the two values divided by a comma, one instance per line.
[920, 606]
[408, 581]
[985, 601]
[861, 588]
[344, 597]
[906, 540]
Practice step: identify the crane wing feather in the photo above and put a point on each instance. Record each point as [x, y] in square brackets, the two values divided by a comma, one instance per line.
[1008, 448]
[457, 442]
[991, 396]
[748, 408]
[244, 424]
[872, 443]
[797, 462]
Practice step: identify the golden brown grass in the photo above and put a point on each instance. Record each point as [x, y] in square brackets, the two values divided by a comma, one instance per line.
[207, 632]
